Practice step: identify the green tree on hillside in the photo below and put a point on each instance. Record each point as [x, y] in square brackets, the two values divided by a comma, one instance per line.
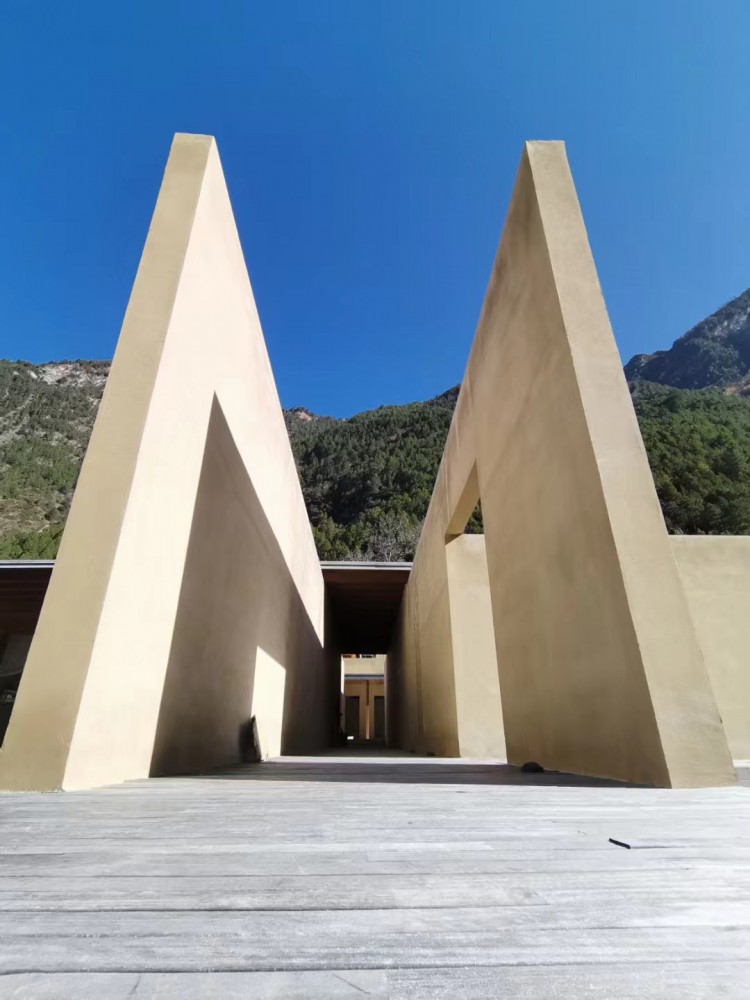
[366, 481]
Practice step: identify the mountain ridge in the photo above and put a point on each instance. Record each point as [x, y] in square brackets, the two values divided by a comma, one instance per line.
[713, 353]
[367, 479]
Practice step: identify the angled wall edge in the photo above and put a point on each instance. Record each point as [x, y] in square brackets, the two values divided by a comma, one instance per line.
[145, 638]
[600, 670]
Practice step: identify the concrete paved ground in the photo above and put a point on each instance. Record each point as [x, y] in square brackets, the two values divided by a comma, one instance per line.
[317, 878]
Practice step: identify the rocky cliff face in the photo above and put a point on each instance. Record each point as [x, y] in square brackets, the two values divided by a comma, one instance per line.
[716, 352]
[46, 415]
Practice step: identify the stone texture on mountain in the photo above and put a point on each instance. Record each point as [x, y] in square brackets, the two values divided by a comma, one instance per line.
[716, 352]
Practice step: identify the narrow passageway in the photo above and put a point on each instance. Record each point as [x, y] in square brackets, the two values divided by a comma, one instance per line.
[363, 602]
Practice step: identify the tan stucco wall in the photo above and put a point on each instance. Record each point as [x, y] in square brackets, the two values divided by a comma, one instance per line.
[134, 589]
[421, 688]
[479, 713]
[715, 573]
[243, 642]
[600, 670]
[364, 664]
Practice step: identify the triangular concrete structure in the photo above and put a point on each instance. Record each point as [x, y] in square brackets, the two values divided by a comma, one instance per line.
[600, 670]
[186, 616]
[187, 595]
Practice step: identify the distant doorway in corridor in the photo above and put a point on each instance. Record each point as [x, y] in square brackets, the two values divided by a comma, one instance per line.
[363, 708]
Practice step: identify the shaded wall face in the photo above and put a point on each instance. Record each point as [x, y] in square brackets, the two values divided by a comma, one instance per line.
[398, 698]
[421, 695]
[334, 670]
[443, 689]
[243, 644]
[478, 705]
[715, 573]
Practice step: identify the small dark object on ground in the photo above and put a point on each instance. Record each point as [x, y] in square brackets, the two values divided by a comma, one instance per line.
[531, 767]
[619, 843]
[249, 742]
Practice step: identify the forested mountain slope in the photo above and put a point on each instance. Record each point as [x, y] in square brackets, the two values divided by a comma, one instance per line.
[367, 480]
[46, 416]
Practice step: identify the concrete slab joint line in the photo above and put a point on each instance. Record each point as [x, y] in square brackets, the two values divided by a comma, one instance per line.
[187, 598]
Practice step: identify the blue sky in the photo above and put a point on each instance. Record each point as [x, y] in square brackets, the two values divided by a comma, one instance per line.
[370, 149]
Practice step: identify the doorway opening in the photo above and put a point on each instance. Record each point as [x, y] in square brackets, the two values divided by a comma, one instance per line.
[23, 584]
[363, 601]
[363, 715]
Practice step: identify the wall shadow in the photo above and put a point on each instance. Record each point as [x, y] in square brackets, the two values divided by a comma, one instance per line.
[238, 606]
[407, 771]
